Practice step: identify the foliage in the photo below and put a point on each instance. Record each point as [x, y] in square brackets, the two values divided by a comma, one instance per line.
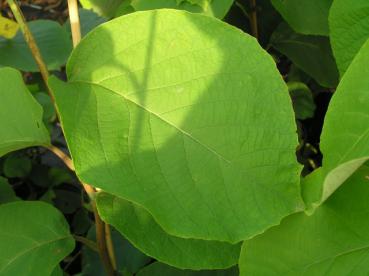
[206, 151]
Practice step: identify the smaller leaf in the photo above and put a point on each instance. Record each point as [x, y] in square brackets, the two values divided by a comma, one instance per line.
[140, 228]
[106, 8]
[302, 100]
[54, 43]
[34, 238]
[16, 165]
[88, 20]
[160, 269]
[20, 127]
[312, 54]
[7, 194]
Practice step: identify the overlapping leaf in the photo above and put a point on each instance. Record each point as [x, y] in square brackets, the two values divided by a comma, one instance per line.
[54, 43]
[308, 17]
[334, 241]
[345, 136]
[179, 118]
[34, 238]
[21, 123]
[217, 8]
[137, 225]
[312, 54]
[160, 269]
[349, 29]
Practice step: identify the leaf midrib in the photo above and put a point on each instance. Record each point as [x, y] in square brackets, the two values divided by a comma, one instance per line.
[185, 133]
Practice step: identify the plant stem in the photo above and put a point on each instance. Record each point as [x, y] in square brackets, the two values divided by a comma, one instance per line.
[74, 21]
[106, 258]
[89, 243]
[31, 43]
[253, 19]
[110, 246]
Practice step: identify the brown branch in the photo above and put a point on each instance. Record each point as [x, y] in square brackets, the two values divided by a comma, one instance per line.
[253, 19]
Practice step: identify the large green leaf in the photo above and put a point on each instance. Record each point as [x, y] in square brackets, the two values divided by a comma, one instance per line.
[20, 114]
[312, 54]
[160, 269]
[349, 29]
[217, 8]
[308, 17]
[345, 137]
[53, 40]
[34, 238]
[137, 225]
[334, 241]
[178, 118]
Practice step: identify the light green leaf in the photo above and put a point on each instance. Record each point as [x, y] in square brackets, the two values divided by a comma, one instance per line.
[216, 8]
[138, 226]
[309, 17]
[349, 29]
[302, 100]
[34, 238]
[345, 137]
[20, 115]
[53, 40]
[7, 194]
[160, 269]
[105, 8]
[312, 54]
[332, 242]
[179, 119]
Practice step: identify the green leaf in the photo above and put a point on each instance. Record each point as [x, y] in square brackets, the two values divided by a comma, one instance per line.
[312, 54]
[309, 17]
[334, 241]
[7, 194]
[160, 269]
[208, 148]
[53, 40]
[16, 165]
[302, 100]
[34, 238]
[105, 8]
[345, 137]
[129, 259]
[88, 20]
[216, 8]
[139, 227]
[349, 29]
[20, 114]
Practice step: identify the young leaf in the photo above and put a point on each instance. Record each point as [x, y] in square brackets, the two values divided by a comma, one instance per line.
[34, 238]
[309, 17]
[333, 241]
[54, 43]
[345, 136]
[349, 29]
[20, 115]
[216, 8]
[312, 54]
[179, 118]
[138, 226]
[160, 269]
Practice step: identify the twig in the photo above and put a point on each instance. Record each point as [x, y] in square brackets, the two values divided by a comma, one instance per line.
[31, 43]
[74, 21]
[110, 246]
[242, 8]
[89, 243]
[253, 19]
